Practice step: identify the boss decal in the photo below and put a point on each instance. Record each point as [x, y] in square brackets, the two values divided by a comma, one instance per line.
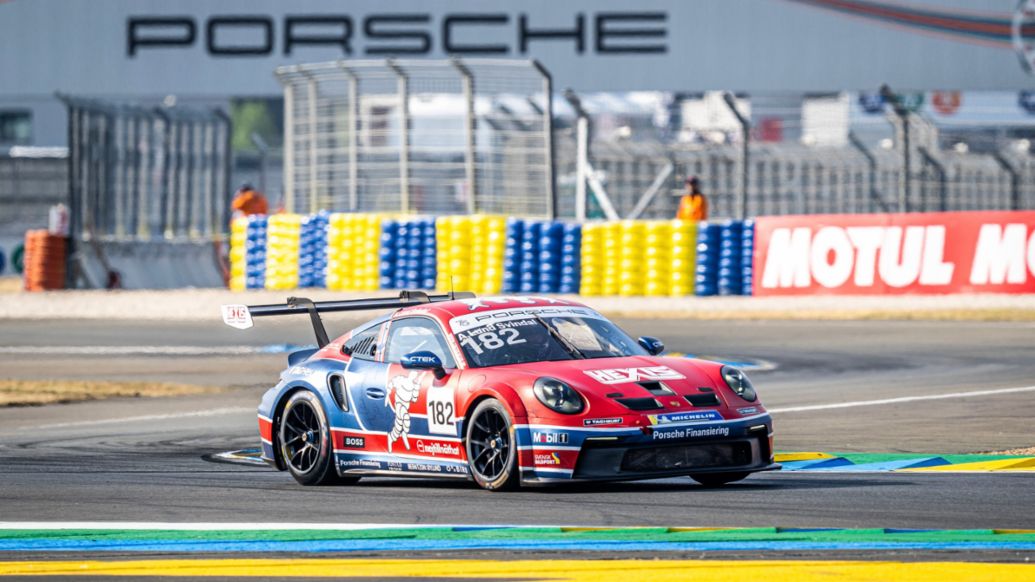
[624, 375]
[355, 442]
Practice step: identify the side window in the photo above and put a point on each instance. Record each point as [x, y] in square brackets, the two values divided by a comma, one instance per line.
[414, 334]
[363, 344]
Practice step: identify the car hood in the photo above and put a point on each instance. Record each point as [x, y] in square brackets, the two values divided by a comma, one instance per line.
[621, 386]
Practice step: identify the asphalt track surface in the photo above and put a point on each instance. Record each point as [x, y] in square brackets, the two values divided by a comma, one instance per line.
[141, 459]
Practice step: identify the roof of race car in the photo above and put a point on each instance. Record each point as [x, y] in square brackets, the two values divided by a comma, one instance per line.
[447, 310]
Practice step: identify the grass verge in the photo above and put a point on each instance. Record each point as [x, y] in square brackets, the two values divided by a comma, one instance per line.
[40, 392]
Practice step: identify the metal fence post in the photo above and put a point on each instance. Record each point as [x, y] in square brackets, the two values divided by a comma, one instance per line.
[902, 113]
[352, 139]
[222, 210]
[551, 169]
[745, 154]
[582, 129]
[943, 202]
[1015, 179]
[403, 89]
[470, 128]
[289, 138]
[312, 91]
[871, 161]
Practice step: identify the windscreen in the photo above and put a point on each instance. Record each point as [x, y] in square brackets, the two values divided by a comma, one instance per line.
[532, 337]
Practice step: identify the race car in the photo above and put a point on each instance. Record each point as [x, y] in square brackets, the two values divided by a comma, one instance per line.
[504, 391]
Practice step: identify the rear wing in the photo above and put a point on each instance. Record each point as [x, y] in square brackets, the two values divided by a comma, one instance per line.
[240, 316]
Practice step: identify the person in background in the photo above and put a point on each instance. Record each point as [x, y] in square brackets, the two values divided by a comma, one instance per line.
[248, 201]
[693, 205]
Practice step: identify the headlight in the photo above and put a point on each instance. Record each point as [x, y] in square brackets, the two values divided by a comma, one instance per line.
[558, 396]
[739, 383]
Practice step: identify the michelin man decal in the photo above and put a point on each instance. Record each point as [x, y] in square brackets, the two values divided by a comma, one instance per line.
[402, 392]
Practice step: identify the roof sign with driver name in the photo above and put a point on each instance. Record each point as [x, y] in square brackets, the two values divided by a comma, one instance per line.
[237, 316]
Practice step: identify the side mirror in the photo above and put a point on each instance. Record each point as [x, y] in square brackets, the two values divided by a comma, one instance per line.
[653, 345]
[424, 360]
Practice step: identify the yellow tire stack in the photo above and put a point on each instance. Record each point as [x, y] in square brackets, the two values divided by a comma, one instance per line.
[470, 253]
[593, 263]
[683, 257]
[612, 252]
[657, 258]
[283, 235]
[353, 244]
[238, 254]
[631, 257]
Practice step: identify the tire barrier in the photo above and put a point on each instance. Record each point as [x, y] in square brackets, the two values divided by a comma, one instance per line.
[542, 256]
[283, 240]
[489, 254]
[470, 252]
[353, 244]
[44, 261]
[255, 252]
[312, 252]
[408, 254]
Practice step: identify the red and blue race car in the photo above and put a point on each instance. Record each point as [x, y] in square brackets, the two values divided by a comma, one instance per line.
[506, 391]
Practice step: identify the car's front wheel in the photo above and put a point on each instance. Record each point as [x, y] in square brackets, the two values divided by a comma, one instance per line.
[305, 441]
[718, 479]
[491, 447]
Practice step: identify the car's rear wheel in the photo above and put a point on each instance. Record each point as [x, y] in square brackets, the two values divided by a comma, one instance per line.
[718, 479]
[491, 447]
[305, 441]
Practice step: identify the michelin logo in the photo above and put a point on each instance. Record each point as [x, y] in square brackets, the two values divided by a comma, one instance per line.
[685, 417]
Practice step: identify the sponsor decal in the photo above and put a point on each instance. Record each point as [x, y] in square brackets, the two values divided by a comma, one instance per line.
[437, 448]
[748, 410]
[424, 467]
[441, 415]
[685, 417]
[547, 459]
[300, 371]
[474, 320]
[624, 375]
[355, 442]
[600, 421]
[550, 438]
[402, 391]
[237, 316]
[946, 102]
[952, 252]
[365, 463]
[689, 433]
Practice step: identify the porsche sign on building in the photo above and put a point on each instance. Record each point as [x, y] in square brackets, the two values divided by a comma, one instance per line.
[198, 49]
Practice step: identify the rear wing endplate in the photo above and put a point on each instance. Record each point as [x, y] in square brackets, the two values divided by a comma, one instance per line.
[240, 316]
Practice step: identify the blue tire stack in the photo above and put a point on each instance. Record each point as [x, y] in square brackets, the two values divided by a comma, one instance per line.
[551, 243]
[427, 255]
[408, 254]
[388, 253]
[528, 262]
[747, 246]
[571, 254]
[731, 263]
[706, 280]
[255, 253]
[312, 251]
[512, 255]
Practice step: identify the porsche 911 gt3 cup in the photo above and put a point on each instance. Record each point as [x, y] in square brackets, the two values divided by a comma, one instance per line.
[505, 391]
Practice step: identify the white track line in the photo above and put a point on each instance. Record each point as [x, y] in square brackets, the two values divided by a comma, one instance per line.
[150, 417]
[902, 399]
[134, 350]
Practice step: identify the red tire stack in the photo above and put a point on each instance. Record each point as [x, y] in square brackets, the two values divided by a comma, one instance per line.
[44, 261]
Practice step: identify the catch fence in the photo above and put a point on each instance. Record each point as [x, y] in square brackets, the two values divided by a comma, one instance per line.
[418, 136]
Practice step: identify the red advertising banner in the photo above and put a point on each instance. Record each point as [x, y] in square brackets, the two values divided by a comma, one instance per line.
[871, 254]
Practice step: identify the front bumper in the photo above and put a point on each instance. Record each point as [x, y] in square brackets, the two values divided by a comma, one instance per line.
[732, 446]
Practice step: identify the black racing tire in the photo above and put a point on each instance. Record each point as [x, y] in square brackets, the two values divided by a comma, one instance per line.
[305, 442]
[718, 479]
[491, 446]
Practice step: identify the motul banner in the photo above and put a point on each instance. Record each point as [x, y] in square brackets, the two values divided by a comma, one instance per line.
[869, 254]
